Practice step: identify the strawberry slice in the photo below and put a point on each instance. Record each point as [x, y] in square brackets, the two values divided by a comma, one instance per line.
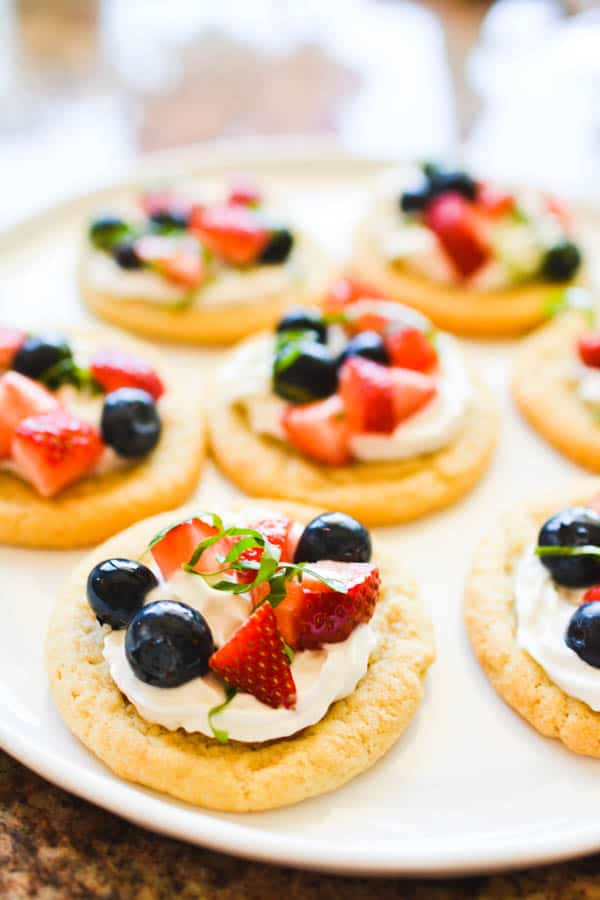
[180, 260]
[20, 397]
[114, 369]
[279, 531]
[10, 341]
[346, 290]
[591, 594]
[493, 201]
[458, 227]
[313, 614]
[254, 661]
[244, 193]
[178, 544]
[410, 348]
[234, 233]
[588, 347]
[411, 391]
[367, 392]
[560, 211]
[55, 450]
[319, 430]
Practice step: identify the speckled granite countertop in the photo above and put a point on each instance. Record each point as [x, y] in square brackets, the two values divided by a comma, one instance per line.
[55, 846]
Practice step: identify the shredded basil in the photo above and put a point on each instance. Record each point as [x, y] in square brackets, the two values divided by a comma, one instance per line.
[219, 734]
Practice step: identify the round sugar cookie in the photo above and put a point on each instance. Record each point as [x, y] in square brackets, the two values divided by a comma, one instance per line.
[494, 313]
[210, 322]
[544, 386]
[377, 493]
[491, 626]
[102, 504]
[238, 777]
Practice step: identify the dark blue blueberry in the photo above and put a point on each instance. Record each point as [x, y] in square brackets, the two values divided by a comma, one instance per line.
[279, 247]
[170, 219]
[574, 527]
[168, 643]
[117, 588]
[561, 262]
[130, 423]
[303, 371]
[125, 255]
[298, 319]
[336, 536]
[583, 633]
[38, 353]
[106, 231]
[368, 344]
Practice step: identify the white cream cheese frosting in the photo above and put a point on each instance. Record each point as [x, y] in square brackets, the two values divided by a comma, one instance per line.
[543, 611]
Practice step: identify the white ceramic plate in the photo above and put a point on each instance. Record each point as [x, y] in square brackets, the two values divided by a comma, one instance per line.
[469, 786]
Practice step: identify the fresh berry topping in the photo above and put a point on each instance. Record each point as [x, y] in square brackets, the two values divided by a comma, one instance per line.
[460, 232]
[304, 370]
[165, 207]
[575, 527]
[244, 193]
[366, 389]
[583, 633]
[38, 354]
[281, 242]
[130, 423]
[592, 594]
[168, 643]
[113, 369]
[176, 545]
[313, 614]
[180, 260]
[347, 290]
[55, 450]
[368, 344]
[319, 430]
[254, 660]
[493, 201]
[11, 340]
[442, 181]
[588, 347]
[412, 391]
[299, 319]
[20, 397]
[106, 231]
[410, 348]
[334, 536]
[234, 233]
[561, 261]
[279, 531]
[117, 588]
[417, 198]
[560, 211]
[126, 255]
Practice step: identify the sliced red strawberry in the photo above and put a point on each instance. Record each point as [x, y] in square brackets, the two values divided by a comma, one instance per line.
[254, 661]
[366, 389]
[460, 231]
[588, 347]
[410, 348]
[178, 544]
[10, 341]
[20, 397]
[493, 201]
[319, 430]
[114, 369]
[180, 260]
[55, 450]
[592, 594]
[313, 614]
[244, 192]
[411, 392]
[234, 233]
[560, 211]
[347, 290]
[276, 530]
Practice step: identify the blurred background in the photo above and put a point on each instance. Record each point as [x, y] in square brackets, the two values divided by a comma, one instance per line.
[86, 85]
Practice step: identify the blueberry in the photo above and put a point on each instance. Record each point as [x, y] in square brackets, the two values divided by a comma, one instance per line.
[442, 181]
[168, 643]
[417, 199]
[279, 247]
[561, 262]
[106, 231]
[130, 423]
[574, 527]
[170, 219]
[38, 353]
[126, 256]
[368, 344]
[303, 371]
[334, 536]
[117, 588]
[299, 319]
[583, 633]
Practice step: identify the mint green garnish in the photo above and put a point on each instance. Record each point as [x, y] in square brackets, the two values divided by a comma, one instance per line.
[208, 517]
[66, 371]
[575, 299]
[585, 550]
[289, 652]
[219, 734]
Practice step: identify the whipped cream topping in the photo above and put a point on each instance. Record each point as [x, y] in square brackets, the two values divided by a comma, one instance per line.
[246, 379]
[543, 611]
[321, 676]
[588, 384]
